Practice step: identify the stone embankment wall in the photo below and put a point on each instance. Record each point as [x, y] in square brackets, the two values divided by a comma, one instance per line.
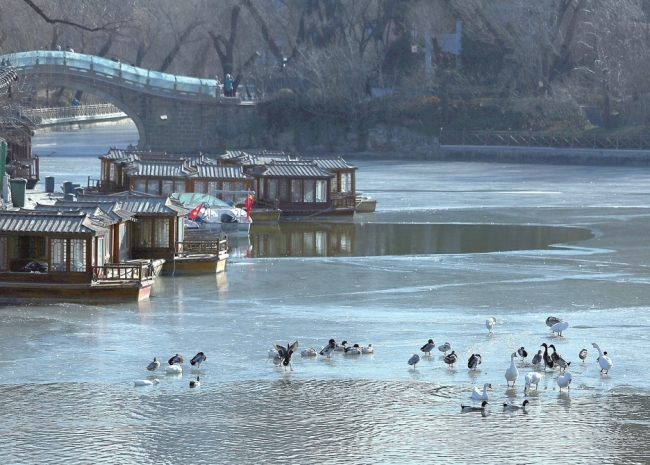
[382, 142]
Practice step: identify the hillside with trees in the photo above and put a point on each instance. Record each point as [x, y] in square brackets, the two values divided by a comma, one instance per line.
[349, 65]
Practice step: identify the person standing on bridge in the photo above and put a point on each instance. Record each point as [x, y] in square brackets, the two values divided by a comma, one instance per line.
[228, 86]
[217, 86]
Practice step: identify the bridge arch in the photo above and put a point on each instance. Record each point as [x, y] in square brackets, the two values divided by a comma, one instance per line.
[172, 113]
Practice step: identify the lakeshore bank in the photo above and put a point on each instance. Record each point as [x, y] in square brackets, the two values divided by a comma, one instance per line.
[525, 155]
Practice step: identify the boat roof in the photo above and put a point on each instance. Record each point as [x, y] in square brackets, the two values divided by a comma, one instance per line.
[139, 203]
[292, 169]
[68, 222]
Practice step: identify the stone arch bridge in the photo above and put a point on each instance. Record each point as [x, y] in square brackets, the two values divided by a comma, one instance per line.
[172, 113]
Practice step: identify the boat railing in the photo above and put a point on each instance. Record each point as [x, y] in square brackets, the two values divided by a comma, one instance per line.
[215, 246]
[121, 272]
[101, 186]
[343, 200]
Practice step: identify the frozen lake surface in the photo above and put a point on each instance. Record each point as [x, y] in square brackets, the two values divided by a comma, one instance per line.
[67, 371]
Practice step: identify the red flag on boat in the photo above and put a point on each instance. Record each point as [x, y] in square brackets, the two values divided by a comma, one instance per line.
[195, 211]
[248, 204]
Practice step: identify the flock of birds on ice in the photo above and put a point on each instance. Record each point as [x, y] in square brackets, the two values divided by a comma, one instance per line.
[282, 357]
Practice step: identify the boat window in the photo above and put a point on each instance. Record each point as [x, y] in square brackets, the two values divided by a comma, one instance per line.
[273, 189]
[284, 192]
[161, 232]
[199, 187]
[321, 190]
[310, 186]
[140, 185]
[153, 186]
[181, 230]
[346, 182]
[78, 255]
[100, 251]
[125, 248]
[4, 259]
[111, 173]
[179, 186]
[143, 232]
[335, 184]
[58, 254]
[296, 190]
[167, 187]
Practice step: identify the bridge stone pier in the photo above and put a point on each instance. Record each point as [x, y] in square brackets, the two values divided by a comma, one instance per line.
[172, 113]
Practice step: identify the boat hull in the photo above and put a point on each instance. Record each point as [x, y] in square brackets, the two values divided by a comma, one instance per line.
[195, 264]
[94, 292]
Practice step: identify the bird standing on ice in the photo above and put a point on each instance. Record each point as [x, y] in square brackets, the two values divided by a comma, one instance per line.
[198, 359]
[522, 353]
[490, 323]
[512, 373]
[559, 327]
[426, 348]
[286, 353]
[415, 358]
[537, 359]
[603, 360]
[532, 378]
[474, 361]
[153, 365]
[583, 355]
[564, 380]
[451, 358]
[329, 348]
[445, 347]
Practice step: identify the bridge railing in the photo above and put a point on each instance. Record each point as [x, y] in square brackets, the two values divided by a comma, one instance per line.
[74, 111]
[98, 68]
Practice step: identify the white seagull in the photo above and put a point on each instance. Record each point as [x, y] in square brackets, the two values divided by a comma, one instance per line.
[444, 347]
[369, 349]
[603, 360]
[195, 382]
[490, 323]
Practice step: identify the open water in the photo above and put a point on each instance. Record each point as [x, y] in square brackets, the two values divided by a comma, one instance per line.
[67, 370]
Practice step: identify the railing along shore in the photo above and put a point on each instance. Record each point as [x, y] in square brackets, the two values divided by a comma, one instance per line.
[547, 140]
